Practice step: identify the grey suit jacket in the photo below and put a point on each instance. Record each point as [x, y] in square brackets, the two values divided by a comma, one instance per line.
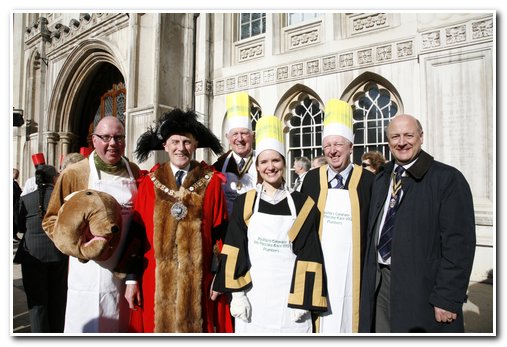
[36, 242]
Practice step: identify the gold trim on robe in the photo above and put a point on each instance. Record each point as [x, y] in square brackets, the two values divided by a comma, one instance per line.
[300, 220]
[302, 268]
[356, 245]
[230, 266]
[249, 201]
[356, 234]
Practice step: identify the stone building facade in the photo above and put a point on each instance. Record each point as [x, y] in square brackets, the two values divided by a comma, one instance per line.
[70, 69]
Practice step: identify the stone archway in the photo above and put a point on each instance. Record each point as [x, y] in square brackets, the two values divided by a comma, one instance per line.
[293, 94]
[89, 72]
[105, 96]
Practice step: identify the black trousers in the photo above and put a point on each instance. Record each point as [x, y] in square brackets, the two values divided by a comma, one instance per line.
[45, 286]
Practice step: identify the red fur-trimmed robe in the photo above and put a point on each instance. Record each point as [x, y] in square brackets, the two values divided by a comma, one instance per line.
[177, 276]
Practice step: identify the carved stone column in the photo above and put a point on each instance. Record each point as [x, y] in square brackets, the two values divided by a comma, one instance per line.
[66, 141]
[52, 139]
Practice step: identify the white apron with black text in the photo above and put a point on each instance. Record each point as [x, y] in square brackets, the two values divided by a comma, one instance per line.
[272, 262]
[95, 297]
[337, 249]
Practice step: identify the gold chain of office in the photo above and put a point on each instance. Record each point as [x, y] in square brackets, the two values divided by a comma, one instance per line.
[159, 185]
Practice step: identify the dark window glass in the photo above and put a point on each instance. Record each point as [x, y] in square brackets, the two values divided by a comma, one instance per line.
[252, 24]
[373, 109]
[304, 137]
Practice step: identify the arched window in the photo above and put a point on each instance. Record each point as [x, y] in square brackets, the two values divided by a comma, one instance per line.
[373, 108]
[112, 103]
[304, 124]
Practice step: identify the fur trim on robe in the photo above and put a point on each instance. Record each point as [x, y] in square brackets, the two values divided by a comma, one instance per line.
[178, 254]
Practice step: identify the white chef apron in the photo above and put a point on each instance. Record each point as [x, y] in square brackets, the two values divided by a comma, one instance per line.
[95, 299]
[230, 189]
[337, 249]
[272, 262]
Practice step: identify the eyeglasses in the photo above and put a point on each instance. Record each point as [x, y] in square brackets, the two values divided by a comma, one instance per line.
[107, 138]
[365, 164]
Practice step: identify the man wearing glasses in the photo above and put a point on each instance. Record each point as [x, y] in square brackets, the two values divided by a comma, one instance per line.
[95, 298]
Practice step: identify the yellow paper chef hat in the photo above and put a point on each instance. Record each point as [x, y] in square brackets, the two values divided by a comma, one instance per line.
[269, 135]
[238, 111]
[338, 119]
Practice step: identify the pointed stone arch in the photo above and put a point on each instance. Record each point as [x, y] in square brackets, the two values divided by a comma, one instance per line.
[375, 100]
[296, 93]
[71, 87]
[287, 110]
[366, 77]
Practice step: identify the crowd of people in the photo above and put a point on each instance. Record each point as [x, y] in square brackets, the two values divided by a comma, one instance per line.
[376, 247]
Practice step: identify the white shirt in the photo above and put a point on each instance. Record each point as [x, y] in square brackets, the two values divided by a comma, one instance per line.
[185, 171]
[345, 174]
[237, 158]
[30, 186]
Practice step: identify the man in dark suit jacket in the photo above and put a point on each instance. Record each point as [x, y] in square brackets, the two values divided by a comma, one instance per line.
[421, 284]
[43, 266]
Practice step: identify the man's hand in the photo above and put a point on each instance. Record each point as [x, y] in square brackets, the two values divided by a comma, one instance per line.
[443, 316]
[213, 294]
[133, 295]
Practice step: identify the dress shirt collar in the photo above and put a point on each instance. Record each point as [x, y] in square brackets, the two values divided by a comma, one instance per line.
[344, 173]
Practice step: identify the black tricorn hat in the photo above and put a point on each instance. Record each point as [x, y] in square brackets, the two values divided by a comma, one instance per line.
[175, 122]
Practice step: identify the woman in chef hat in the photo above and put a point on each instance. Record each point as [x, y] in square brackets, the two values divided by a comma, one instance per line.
[271, 261]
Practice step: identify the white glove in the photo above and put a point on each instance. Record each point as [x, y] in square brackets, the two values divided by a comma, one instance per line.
[240, 306]
[297, 314]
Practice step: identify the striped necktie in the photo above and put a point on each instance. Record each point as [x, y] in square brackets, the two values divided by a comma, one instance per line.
[339, 182]
[297, 183]
[241, 164]
[386, 235]
[179, 177]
